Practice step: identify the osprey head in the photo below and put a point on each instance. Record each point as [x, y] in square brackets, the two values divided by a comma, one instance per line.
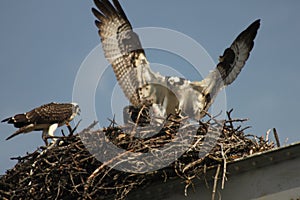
[76, 110]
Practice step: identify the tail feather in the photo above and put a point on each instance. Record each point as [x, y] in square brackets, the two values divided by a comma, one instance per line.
[24, 129]
[6, 120]
[14, 134]
[18, 120]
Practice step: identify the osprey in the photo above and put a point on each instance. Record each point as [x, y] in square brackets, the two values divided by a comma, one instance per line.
[164, 95]
[46, 117]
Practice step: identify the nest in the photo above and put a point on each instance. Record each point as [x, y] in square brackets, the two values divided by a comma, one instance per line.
[84, 165]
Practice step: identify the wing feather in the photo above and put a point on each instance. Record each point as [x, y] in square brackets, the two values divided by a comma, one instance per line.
[122, 48]
[230, 65]
[235, 57]
[18, 120]
[42, 117]
[51, 113]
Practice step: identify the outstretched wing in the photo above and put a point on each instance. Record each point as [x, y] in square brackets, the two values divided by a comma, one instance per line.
[235, 57]
[122, 48]
[230, 65]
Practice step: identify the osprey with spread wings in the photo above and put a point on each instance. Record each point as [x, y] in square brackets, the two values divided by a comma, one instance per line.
[165, 95]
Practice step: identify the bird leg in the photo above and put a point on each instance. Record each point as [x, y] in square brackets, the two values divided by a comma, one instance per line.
[49, 133]
[45, 137]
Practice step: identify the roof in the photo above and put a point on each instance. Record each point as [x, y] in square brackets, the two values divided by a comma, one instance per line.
[268, 175]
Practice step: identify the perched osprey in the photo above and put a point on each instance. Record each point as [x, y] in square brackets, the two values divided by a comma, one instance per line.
[164, 95]
[46, 117]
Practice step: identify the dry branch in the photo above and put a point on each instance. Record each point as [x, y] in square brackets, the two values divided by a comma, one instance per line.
[68, 170]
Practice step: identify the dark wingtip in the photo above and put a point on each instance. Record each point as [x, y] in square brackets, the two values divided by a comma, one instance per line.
[94, 10]
[18, 132]
[9, 137]
[256, 24]
[97, 14]
[257, 21]
[5, 120]
[12, 135]
[97, 23]
[250, 33]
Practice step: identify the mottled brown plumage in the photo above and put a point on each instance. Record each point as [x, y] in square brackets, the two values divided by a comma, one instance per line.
[122, 47]
[43, 117]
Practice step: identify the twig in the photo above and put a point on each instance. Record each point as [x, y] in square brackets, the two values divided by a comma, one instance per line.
[267, 135]
[38, 160]
[188, 183]
[101, 167]
[192, 164]
[112, 122]
[90, 126]
[229, 117]
[71, 131]
[215, 183]
[276, 137]
[140, 114]
[224, 166]
[58, 191]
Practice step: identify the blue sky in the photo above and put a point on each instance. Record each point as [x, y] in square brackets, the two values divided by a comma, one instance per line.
[43, 44]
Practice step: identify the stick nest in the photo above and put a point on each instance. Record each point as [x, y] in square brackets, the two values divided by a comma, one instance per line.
[69, 168]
